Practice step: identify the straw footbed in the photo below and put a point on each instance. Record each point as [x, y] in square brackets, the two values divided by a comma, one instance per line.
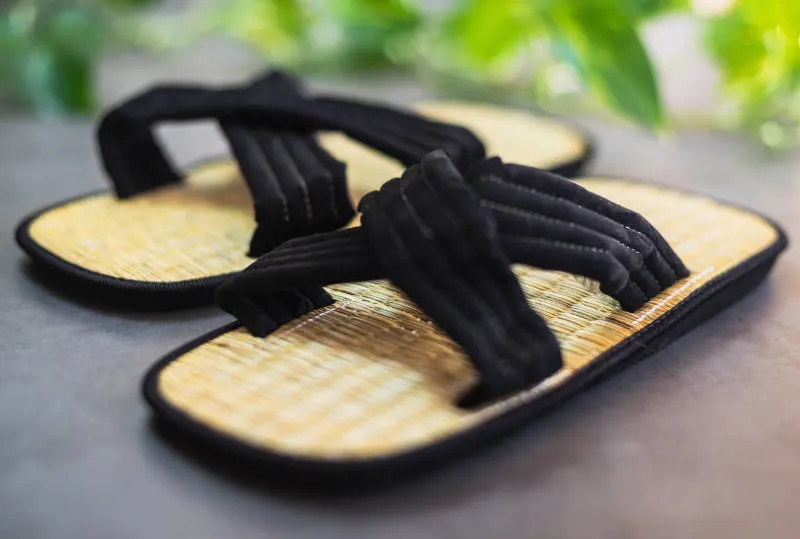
[371, 376]
[202, 228]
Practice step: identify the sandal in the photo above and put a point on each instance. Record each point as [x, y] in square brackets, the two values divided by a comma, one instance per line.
[159, 241]
[434, 344]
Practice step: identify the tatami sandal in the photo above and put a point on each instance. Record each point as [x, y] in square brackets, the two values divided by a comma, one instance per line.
[161, 241]
[391, 377]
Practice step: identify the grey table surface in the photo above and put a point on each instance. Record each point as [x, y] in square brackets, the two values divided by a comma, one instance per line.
[701, 440]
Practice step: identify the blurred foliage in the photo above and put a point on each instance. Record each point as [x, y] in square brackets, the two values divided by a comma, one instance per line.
[547, 48]
[493, 36]
[757, 48]
[370, 33]
[276, 27]
[619, 70]
[48, 51]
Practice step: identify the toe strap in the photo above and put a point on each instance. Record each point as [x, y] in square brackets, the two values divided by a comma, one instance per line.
[449, 246]
[435, 242]
[297, 187]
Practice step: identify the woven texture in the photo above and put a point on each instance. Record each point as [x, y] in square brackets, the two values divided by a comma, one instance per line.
[203, 228]
[371, 376]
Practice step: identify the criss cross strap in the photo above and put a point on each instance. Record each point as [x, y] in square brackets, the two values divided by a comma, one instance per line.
[535, 207]
[401, 134]
[298, 188]
[448, 243]
[541, 192]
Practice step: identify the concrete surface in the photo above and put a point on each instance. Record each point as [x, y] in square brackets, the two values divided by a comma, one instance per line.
[701, 440]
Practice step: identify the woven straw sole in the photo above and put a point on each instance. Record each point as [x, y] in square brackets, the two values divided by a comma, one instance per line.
[190, 235]
[371, 379]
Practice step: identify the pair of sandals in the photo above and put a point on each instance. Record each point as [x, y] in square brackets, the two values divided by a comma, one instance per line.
[460, 299]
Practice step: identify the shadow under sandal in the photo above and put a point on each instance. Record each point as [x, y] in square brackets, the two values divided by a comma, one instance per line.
[162, 239]
[460, 308]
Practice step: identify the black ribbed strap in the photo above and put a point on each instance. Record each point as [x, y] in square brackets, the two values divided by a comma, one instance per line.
[540, 190]
[448, 244]
[434, 241]
[298, 188]
[268, 308]
[305, 263]
[552, 223]
[129, 150]
[400, 134]
[135, 162]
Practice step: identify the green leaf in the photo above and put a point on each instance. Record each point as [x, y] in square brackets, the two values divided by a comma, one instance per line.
[39, 80]
[385, 13]
[484, 31]
[13, 51]
[757, 48]
[74, 83]
[756, 44]
[646, 9]
[274, 27]
[376, 33]
[77, 31]
[600, 41]
[54, 84]
[47, 64]
[737, 47]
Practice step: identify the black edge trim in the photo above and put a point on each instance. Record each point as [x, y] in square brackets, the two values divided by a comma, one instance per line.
[179, 294]
[698, 307]
[123, 292]
[572, 169]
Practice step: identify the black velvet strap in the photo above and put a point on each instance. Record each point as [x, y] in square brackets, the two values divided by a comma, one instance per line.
[449, 243]
[568, 228]
[304, 263]
[403, 135]
[298, 188]
[274, 101]
[434, 241]
[621, 223]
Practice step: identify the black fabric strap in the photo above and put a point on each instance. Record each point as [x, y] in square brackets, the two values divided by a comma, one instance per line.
[403, 135]
[630, 227]
[559, 217]
[449, 243]
[303, 264]
[434, 242]
[298, 188]
[274, 101]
